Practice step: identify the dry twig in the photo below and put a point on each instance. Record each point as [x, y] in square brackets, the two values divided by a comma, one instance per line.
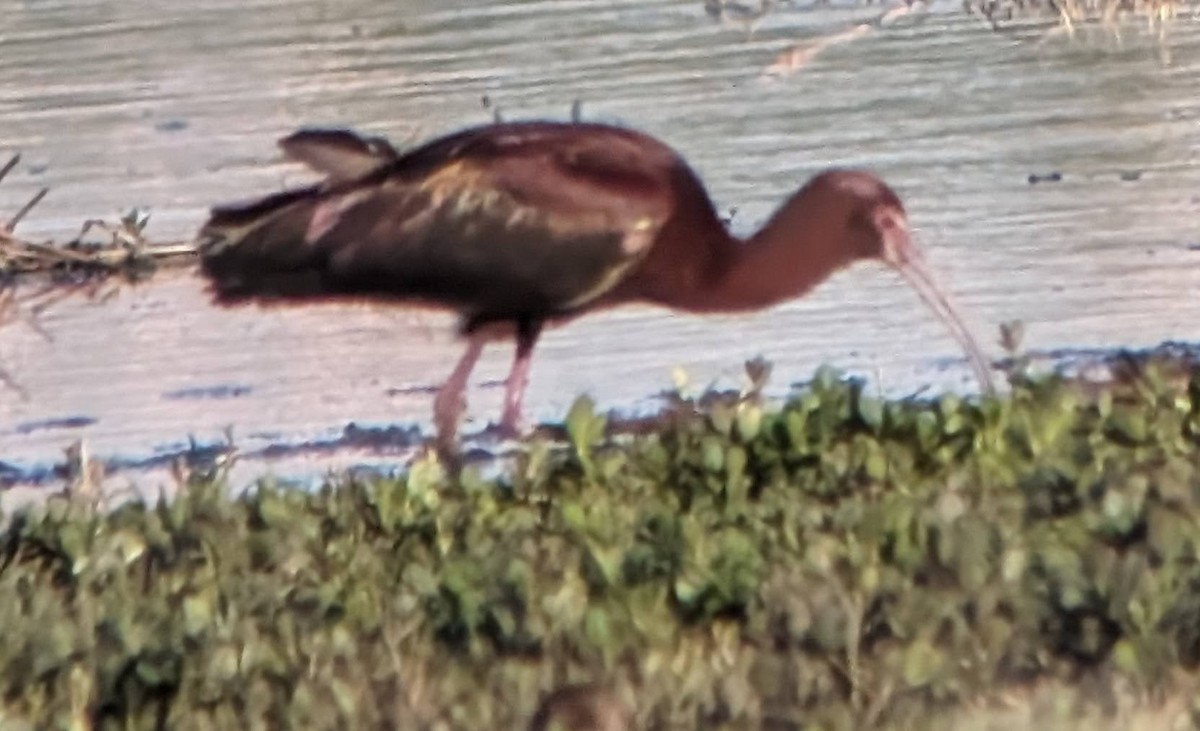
[95, 266]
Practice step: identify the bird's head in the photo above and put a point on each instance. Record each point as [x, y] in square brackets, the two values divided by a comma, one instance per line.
[874, 220]
[877, 228]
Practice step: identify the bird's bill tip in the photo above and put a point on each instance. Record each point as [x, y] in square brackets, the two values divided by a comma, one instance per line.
[902, 254]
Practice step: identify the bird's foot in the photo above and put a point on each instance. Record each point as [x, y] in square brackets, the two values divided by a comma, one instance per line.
[510, 424]
[449, 455]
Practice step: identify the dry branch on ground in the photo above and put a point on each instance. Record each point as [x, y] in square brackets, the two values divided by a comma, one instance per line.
[99, 249]
[102, 255]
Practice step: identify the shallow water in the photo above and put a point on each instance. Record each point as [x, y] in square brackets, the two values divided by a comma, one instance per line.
[172, 107]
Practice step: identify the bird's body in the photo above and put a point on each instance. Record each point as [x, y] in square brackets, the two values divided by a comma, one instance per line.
[525, 222]
[514, 225]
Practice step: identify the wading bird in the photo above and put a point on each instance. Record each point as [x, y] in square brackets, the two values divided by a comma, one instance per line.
[518, 225]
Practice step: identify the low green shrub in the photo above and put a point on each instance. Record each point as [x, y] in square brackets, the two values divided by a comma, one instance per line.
[841, 562]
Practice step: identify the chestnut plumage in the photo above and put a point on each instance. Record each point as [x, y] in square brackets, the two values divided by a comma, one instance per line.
[518, 224]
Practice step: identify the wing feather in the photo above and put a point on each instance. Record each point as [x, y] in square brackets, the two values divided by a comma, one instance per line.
[338, 154]
[525, 220]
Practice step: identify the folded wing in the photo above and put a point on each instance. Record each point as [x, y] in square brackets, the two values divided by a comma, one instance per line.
[503, 222]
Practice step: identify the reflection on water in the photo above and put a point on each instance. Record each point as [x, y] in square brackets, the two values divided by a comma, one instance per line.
[173, 107]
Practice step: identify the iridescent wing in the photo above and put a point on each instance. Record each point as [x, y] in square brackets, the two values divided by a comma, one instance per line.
[507, 221]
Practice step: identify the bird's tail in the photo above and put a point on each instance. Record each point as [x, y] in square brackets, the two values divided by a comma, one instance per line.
[259, 248]
[264, 248]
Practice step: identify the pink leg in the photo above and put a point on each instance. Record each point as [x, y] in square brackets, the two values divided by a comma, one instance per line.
[451, 401]
[518, 377]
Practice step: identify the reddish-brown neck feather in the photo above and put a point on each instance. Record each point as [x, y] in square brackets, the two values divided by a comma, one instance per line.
[698, 266]
[797, 249]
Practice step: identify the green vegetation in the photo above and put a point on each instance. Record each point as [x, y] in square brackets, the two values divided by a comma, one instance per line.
[840, 563]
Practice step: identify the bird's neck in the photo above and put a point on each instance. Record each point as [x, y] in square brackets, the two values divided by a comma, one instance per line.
[791, 254]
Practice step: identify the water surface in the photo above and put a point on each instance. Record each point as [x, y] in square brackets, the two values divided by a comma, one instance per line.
[172, 107]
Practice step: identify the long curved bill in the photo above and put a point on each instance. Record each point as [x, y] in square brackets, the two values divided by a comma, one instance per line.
[903, 255]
